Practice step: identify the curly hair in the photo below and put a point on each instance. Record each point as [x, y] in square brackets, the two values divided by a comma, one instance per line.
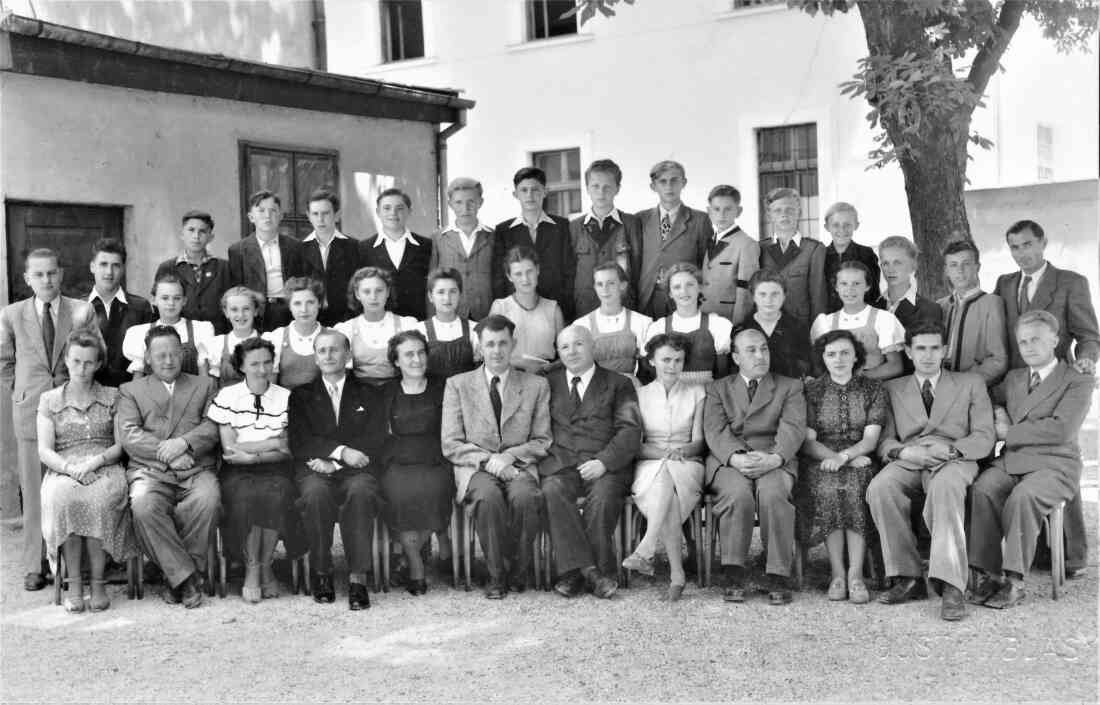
[833, 336]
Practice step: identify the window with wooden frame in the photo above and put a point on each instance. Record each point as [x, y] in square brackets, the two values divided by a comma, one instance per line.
[402, 30]
[563, 180]
[291, 173]
[544, 19]
[787, 157]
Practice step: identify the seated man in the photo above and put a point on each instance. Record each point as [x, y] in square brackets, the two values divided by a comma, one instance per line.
[596, 426]
[496, 426]
[337, 428]
[174, 495]
[942, 426]
[754, 423]
[1040, 411]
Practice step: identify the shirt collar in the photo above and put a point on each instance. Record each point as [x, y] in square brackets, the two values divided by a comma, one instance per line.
[614, 215]
[266, 243]
[969, 294]
[661, 211]
[1045, 370]
[748, 381]
[503, 376]
[543, 218]
[910, 295]
[796, 240]
[335, 236]
[1036, 275]
[586, 376]
[40, 305]
[458, 230]
[182, 258]
[727, 231]
[339, 385]
[407, 237]
[119, 294]
[935, 379]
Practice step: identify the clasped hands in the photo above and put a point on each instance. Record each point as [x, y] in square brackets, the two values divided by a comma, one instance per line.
[927, 453]
[81, 470]
[754, 464]
[173, 453]
[348, 456]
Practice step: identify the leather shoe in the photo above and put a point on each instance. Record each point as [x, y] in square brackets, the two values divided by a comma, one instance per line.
[903, 590]
[1010, 595]
[170, 594]
[1074, 573]
[675, 592]
[416, 587]
[322, 589]
[734, 593]
[639, 564]
[496, 590]
[781, 596]
[190, 592]
[34, 581]
[570, 584]
[601, 586]
[358, 597]
[953, 607]
[517, 583]
[984, 586]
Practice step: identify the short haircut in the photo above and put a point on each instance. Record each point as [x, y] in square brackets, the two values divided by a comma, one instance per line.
[840, 334]
[840, 207]
[611, 266]
[529, 172]
[362, 274]
[155, 332]
[724, 190]
[403, 337]
[464, 183]
[604, 166]
[295, 284]
[43, 253]
[857, 266]
[666, 165]
[762, 276]
[495, 323]
[676, 341]
[519, 253]
[393, 192]
[444, 273]
[925, 328]
[683, 268]
[325, 194]
[1039, 316]
[201, 215]
[900, 243]
[960, 246]
[332, 333]
[778, 194]
[166, 278]
[110, 246]
[256, 297]
[261, 196]
[87, 338]
[741, 330]
[1021, 225]
[241, 350]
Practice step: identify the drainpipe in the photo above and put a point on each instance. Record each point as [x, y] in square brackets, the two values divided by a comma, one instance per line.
[320, 40]
[441, 165]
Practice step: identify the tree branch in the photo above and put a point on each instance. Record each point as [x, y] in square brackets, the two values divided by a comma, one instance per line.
[989, 56]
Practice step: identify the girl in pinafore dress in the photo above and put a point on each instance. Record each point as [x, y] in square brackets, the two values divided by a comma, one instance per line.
[618, 333]
[709, 334]
[370, 332]
[538, 320]
[295, 363]
[240, 306]
[452, 342]
[196, 336]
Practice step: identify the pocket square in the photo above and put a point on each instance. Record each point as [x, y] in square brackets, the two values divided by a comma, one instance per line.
[360, 409]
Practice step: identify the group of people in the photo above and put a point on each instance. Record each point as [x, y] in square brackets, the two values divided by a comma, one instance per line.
[539, 373]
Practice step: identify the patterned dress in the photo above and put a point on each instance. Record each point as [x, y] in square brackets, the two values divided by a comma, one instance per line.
[98, 508]
[827, 501]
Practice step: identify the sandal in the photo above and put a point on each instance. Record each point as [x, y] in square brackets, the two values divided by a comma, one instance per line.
[74, 601]
[98, 604]
[857, 591]
[251, 591]
[838, 589]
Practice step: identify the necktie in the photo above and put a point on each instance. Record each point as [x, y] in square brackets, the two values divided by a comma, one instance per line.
[334, 393]
[575, 392]
[494, 398]
[752, 389]
[48, 329]
[926, 396]
[258, 405]
[1023, 300]
[666, 226]
[1035, 381]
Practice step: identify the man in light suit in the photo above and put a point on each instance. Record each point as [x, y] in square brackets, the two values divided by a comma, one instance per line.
[731, 259]
[973, 319]
[264, 260]
[596, 426]
[754, 423]
[32, 343]
[1039, 285]
[1040, 411]
[496, 427]
[329, 256]
[174, 495]
[942, 426]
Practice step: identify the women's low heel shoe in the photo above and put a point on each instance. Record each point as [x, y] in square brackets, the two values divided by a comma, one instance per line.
[102, 603]
[838, 589]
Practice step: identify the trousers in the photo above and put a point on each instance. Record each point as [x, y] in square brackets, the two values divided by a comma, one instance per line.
[584, 540]
[350, 498]
[173, 521]
[507, 516]
[739, 501]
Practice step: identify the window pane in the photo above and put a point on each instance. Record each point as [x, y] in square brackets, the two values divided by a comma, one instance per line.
[270, 171]
[312, 172]
[544, 19]
[787, 157]
[551, 164]
[573, 158]
[402, 30]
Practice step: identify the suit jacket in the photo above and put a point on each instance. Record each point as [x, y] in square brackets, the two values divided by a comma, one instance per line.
[246, 262]
[147, 415]
[476, 270]
[343, 260]
[557, 261]
[410, 296]
[623, 246]
[607, 426]
[203, 292]
[1046, 422]
[857, 253]
[962, 416]
[773, 422]
[910, 315]
[313, 431]
[687, 242]
[134, 312]
[470, 434]
[26, 368]
[807, 287]
[727, 267]
[1064, 294]
[981, 346]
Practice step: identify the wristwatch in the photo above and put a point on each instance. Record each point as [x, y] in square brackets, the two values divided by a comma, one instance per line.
[955, 453]
[895, 453]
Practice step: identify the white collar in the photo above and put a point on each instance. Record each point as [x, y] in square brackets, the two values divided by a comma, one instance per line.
[335, 236]
[503, 376]
[748, 381]
[406, 237]
[934, 379]
[266, 243]
[727, 231]
[1037, 275]
[585, 376]
[614, 215]
[1045, 370]
[182, 258]
[543, 218]
[339, 385]
[479, 226]
[662, 211]
[317, 328]
[796, 240]
[968, 294]
[40, 305]
[119, 294]
[910, 295]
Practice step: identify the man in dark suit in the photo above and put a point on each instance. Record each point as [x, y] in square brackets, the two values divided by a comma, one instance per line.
[337, 429]
[1040, 286]
[174, 495]
[115, 309]
[754, 423]
[596, 426]
[204, 277]
[401, 251]
[330, 256]
[265, 260]
[547, 234]
[1040, 411]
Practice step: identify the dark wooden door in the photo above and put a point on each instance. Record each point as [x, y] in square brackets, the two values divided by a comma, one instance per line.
[68, 229]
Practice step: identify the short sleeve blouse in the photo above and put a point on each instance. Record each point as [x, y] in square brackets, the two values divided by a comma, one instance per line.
[235, 406]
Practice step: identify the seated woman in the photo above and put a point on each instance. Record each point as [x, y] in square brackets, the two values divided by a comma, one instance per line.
[538, 320]
[710, 335]
[241, 306]
[880, 332]
[668, 478]
[197, 336]
[788, 337]
[418, 482]
[452, 342]
[370, 332]
[257, 491]
[845, 413]
[84, 491]
[295, 363]
[618, 332]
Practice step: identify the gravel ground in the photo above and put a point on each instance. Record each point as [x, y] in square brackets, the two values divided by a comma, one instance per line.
[455, 646]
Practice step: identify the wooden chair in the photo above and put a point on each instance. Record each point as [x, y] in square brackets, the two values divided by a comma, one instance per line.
[1055, 524]
[380, 562]
[468, 542]
[134, 568]
[622, 540]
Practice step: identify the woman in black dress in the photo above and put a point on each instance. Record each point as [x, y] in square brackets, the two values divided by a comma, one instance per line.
[418, 481]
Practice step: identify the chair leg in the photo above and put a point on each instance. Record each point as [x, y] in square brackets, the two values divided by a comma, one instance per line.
[547, 566]
[306, 589]
[536, 559]
[710, 531]
[223, 572]
[385, 556]
[1055, 526]
[697, 539]
[295, 577]
[800, 556]
[212, 563]
[376, 563]
[60, 578]
[469, 537]
[130, 589]
[454, 544]
[140, 577]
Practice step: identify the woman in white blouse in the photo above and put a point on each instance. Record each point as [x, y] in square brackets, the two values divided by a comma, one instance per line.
[295, 363]
[709, 357]
[618, 333]
[241, 306]
[370, 332]
[196, 336]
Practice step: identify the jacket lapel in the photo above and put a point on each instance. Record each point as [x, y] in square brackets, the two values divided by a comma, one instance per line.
[481, 241]
[513, 397]
[944, 397]
[254, 260]
[34, 328]
[912, 403]
[181, 396]
[595, 390]
[765, 390]
[64, 327]
[679, 227]
[1046, 388]
[1044, 293]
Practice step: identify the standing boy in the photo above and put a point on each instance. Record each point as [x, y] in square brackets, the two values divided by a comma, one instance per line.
[732, 258]
[400, 251]
[330, 256]
[205, 277]
[842, 221]
[974, 320]
[115, 309]
[467, 247]
[799, 259]
[263, 261]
